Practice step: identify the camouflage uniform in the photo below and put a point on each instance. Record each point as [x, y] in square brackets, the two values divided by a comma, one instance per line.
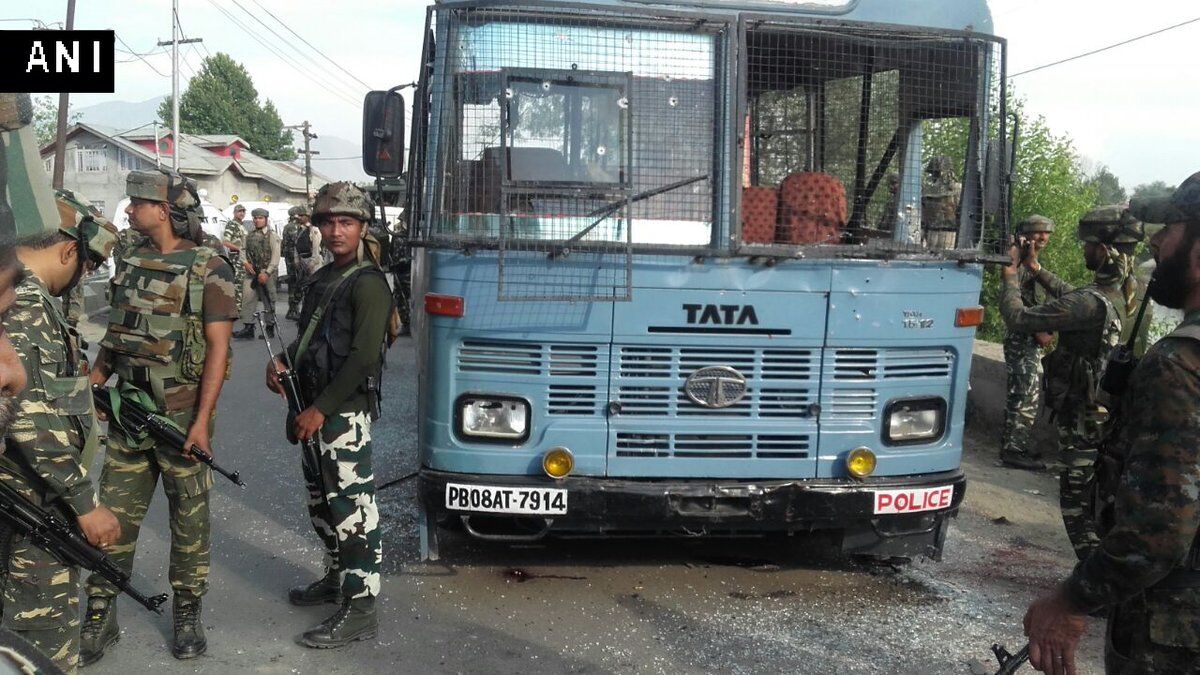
[26, 199]
[262, 250]
[1088, 321]
[940, 194]
[48, 449]
[342, 499]
[235, 236]
[155, 344]
[287, 249]
[1023, 364]
[73, 208]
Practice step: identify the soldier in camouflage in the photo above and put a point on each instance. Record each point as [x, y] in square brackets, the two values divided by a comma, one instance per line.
[234, 240]
[940, 195]
[261, 265]
[1089, 322]
[12, 373]
[1146, 569]
[338, 360]
[287, 249]
[75, 208]
[1023, 352]
[168, 343]
[50, 445]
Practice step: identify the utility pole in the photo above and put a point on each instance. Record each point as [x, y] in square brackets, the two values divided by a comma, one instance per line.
[308, 153]
[175, 42]
[64, 103]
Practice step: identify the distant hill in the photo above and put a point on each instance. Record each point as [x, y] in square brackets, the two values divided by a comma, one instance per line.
[340, 159]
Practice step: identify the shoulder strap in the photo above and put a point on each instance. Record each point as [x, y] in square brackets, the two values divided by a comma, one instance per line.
[196, 276]
[1190, 331]
[315, 320]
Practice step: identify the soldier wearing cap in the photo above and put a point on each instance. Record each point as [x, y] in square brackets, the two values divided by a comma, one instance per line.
[1023, 351]
[261, 264]
[234, 239]
[1089, 321]
[51, 443]
[339, 359]
[940, 194]
[168, 343]
[1146, 569]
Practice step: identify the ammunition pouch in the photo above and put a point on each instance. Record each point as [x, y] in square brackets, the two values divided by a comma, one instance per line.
[1114, 378]
[1059, 368]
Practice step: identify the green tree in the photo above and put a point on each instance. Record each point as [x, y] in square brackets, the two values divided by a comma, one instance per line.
[221, 99]
[1156, 189]
[1108, 187]
[1048, 181]
[45, 118]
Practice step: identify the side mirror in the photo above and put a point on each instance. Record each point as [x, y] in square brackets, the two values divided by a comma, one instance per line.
[383, 134]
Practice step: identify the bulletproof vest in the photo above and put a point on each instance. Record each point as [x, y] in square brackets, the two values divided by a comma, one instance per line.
[288, 240]
[258, 249]
[303, 241]
[1073, 369]
[155, 326]
[330, 344]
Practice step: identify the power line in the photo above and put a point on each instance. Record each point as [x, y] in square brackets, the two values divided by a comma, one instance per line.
[143, 58]
[1104, 49]
[311, 46]
[330, 159]
[283, 57]
[285, 41]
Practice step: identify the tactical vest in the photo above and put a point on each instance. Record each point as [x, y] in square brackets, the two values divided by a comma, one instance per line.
[330, 343]
[1073, 369]
[303, 245]
[258, 249]
[156, 328]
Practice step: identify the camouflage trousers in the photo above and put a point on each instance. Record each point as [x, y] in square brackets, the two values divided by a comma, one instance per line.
[131, 472]
[1080, 431]
[347, 520]
[41, 595]
[251, 301]
[1147, 636]
[295, 296]
[1023, 364]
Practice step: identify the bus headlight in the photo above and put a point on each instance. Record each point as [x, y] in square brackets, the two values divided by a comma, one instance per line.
[916, 420]
[494, 418]
[860, 463]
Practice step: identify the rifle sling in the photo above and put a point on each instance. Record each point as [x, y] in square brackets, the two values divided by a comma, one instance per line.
[319, 312]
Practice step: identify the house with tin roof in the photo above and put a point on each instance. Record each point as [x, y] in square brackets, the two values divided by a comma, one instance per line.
[223, 165]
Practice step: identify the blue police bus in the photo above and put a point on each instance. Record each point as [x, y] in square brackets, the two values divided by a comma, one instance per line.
[698, 267]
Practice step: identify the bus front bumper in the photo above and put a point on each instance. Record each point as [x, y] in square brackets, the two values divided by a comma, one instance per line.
[904, 516]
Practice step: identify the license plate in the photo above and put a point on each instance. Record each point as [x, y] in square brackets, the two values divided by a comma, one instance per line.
[913, 501]
[494, 499]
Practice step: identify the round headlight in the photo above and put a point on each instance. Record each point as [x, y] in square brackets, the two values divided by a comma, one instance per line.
[558, 462]
[860, 463]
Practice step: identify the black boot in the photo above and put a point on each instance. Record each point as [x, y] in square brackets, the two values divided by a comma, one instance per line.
[100, 629]
[354, 620]
[246, 333]
[326, 589]
[1020, 460]
[189, 629]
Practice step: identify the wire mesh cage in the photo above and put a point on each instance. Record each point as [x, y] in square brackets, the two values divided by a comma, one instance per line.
[577, 137]
[867, 137]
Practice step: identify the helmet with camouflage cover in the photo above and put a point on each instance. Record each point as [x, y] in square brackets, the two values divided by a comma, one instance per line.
[173, 189]
[1112, 224]
[342, 199]
[940, 164]
[82, 221]
[1035, 223]
[1182, 206]
[297, 211]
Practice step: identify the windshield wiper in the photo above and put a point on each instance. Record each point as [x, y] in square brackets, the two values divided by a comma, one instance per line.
[605, 211]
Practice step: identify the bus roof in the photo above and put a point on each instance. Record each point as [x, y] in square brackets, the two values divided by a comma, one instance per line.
[972, 15]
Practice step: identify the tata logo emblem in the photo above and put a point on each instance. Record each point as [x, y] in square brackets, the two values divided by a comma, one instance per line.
[721, 315]
[715, 387]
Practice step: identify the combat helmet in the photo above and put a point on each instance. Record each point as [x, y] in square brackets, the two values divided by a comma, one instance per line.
[1035, 223]
[175, 190]
[1183, 206]
[940, 164]
[297, 211]
[1111, 225]
[342, 199]
[83, 222]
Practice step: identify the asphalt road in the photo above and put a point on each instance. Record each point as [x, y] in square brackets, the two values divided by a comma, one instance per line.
[656, 606]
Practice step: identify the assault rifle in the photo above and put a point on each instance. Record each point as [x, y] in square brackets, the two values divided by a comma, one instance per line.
[290, 381]
[1120, 362]
[64, 541]
[272, 323]
[136, 419]
[1010, 663]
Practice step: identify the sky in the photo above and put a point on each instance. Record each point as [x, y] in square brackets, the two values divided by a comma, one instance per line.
[1131, 108]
